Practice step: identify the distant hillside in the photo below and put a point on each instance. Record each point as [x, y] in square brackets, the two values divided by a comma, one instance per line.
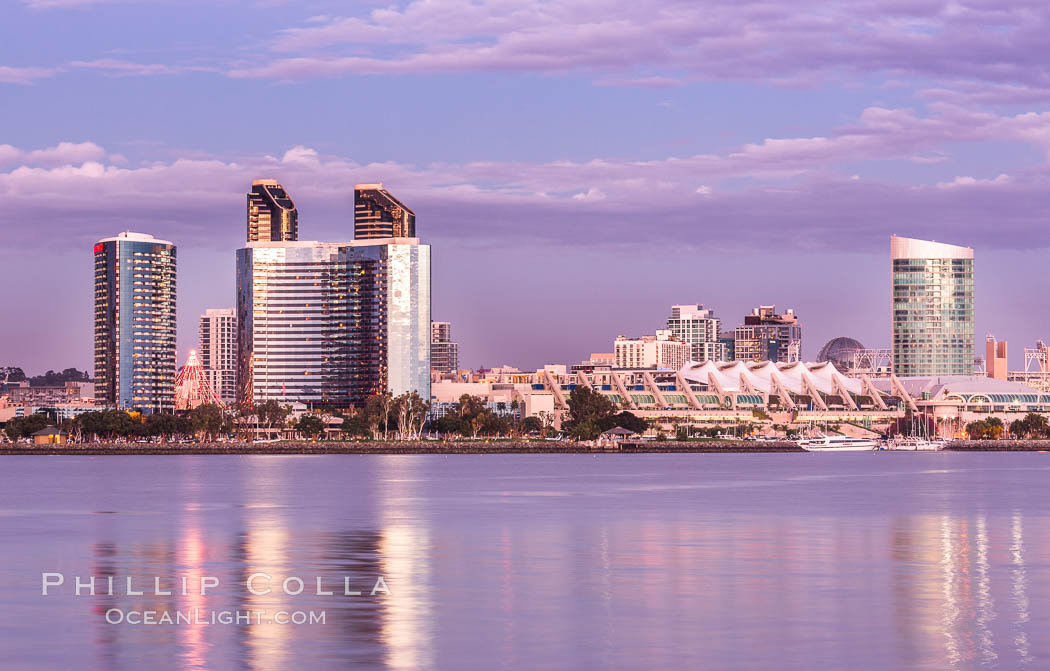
[11, 374]
[53, 379]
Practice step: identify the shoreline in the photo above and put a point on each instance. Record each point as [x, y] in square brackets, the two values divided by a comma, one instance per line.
[465, 447]
[393, 447]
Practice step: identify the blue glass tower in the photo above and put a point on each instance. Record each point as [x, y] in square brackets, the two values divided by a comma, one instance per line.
[135, 322]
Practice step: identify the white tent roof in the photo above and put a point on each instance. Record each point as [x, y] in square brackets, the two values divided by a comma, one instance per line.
[760, 375]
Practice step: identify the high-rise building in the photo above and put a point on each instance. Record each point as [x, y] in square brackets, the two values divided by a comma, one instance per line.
[218, 352]
[331, 323]
[933, 326]
[135, 322]
[444, 354]
[995, 358]
[272, 216]
[378, 214]
[662, 350]
[698, 326]
[728, 345]
[768, 336]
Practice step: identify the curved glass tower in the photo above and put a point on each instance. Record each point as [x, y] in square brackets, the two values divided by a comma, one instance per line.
[933, 328]
[329, 324]
[378, 214]
[272, 216]
[135, 322]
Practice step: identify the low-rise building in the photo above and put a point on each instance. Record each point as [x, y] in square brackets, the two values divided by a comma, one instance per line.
[954, 401]
[995, 358]
[50, 435]
[69, 392]
[662, 350]
[58, 412]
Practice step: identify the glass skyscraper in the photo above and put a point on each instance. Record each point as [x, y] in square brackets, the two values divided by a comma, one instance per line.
[933, 327]
[135, 322]
[378, 214]
[272, 216]
[333, 323]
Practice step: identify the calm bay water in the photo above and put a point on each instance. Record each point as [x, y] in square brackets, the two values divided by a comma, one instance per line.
[789, 561]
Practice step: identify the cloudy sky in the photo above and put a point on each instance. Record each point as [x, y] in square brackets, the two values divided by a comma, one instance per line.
[577, 165]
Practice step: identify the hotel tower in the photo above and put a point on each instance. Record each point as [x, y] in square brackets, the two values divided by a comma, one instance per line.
[378, 214]
[332, 323]
[135, 322]
[933, 327]
[272, 216]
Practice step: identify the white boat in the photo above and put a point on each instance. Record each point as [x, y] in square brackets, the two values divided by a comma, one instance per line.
[837, 444]
[914, 444]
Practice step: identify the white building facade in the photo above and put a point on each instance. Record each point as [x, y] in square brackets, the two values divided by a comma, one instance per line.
[218, 350]
[662, 350]
[699, 327]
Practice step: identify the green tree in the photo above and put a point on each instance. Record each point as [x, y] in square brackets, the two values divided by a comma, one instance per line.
[586, 430]
[183, 426]
[410, 412]
[626, 420]
[310, 426]
[588, 410]
[271, 414]
[207, 419]
[377, 413]
[473, 415]
[117, 424]
[24, 427]
[1033, 425]
[161, 424]
[355, 425]
[986, 429]
[448, 424]
[495, 425]
[531, 425]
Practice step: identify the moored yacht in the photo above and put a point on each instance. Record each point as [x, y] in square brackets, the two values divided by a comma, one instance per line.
[837, 444]
[914, 444]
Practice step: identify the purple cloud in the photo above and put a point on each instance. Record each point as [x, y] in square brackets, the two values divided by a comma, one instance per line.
[12, 75]
[131, 69]
[981, 40]
[794, 182]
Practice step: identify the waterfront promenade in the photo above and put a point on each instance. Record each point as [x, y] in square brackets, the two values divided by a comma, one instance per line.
[468, 447]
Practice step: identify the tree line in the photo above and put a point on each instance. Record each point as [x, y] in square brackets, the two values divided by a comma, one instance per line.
[383, 417]
[1031, 426]
[49, 379]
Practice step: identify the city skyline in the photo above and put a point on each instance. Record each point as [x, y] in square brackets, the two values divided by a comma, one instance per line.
[809, 350]
[703, 161]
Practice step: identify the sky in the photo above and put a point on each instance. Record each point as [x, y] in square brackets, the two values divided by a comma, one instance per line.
[577, 166]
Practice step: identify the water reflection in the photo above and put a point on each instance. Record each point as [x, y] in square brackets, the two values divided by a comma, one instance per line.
[405, 561]
[624, 567]
[1019, 591]
[266, 547]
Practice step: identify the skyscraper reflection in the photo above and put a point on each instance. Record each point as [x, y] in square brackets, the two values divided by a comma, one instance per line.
[1019, 591]
[266, 546]
[405, 556]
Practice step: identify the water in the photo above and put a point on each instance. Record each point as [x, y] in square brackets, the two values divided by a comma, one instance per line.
[774, 561]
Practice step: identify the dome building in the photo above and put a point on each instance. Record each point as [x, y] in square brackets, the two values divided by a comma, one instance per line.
[839, 351]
